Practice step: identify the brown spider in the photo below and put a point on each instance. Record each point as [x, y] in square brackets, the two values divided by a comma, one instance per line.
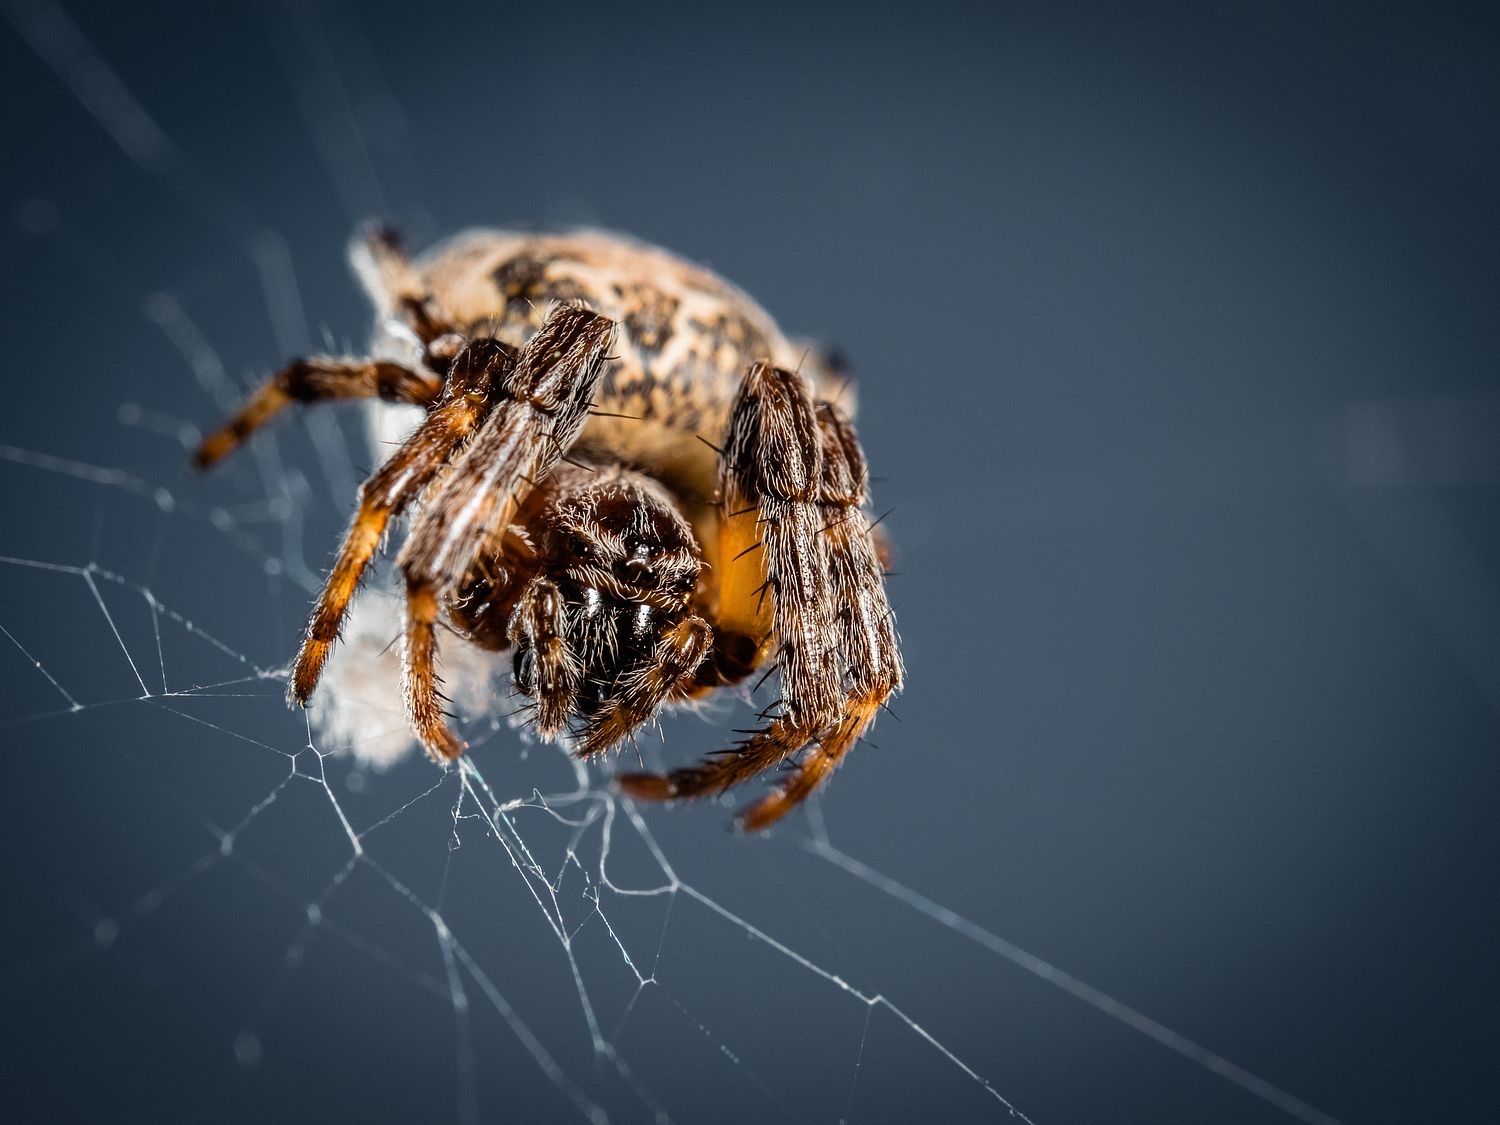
[627, 475]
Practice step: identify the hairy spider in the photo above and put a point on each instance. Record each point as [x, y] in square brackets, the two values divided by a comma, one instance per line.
[627, 476]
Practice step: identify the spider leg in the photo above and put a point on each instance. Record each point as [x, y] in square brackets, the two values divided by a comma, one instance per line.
[771, 469]
[724, 770]
[395, 285]
[802, 468]
[680, 648]
[317, 379]
[399, 293]
[546, 668]
[865, 624]
[467, 398]
[541, 406]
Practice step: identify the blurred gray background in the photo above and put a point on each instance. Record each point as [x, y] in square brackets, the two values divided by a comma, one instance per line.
[1176, 339]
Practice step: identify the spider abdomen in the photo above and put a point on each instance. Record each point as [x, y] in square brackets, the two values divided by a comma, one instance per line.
[683, 340]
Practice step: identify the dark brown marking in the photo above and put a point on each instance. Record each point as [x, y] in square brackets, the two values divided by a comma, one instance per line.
[519, 278]
[649, 317]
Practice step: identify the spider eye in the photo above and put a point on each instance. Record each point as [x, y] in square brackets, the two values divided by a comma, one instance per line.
[579, 546]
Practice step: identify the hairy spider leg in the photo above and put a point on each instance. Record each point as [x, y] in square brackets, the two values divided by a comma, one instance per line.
[472, 386]
[865, 624]
[800, 467]
[680, 647]
[317, 379]
[546, 668]
[542, 404]
[396, 287]
[397, 290]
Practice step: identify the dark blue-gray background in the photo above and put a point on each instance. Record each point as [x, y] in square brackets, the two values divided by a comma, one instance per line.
[1176, 336]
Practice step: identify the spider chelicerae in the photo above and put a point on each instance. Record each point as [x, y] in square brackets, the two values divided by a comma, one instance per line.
[626, 476]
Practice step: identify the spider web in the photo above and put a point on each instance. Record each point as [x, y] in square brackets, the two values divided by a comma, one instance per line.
[255, 920]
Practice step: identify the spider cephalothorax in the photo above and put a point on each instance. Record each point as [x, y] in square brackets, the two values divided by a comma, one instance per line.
[603, 630]
[627, 477]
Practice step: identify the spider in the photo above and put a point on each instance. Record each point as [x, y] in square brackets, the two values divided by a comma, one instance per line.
[627, 477]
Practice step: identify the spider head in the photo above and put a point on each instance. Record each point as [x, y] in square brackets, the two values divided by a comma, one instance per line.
[620, 564]
[615, 536]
